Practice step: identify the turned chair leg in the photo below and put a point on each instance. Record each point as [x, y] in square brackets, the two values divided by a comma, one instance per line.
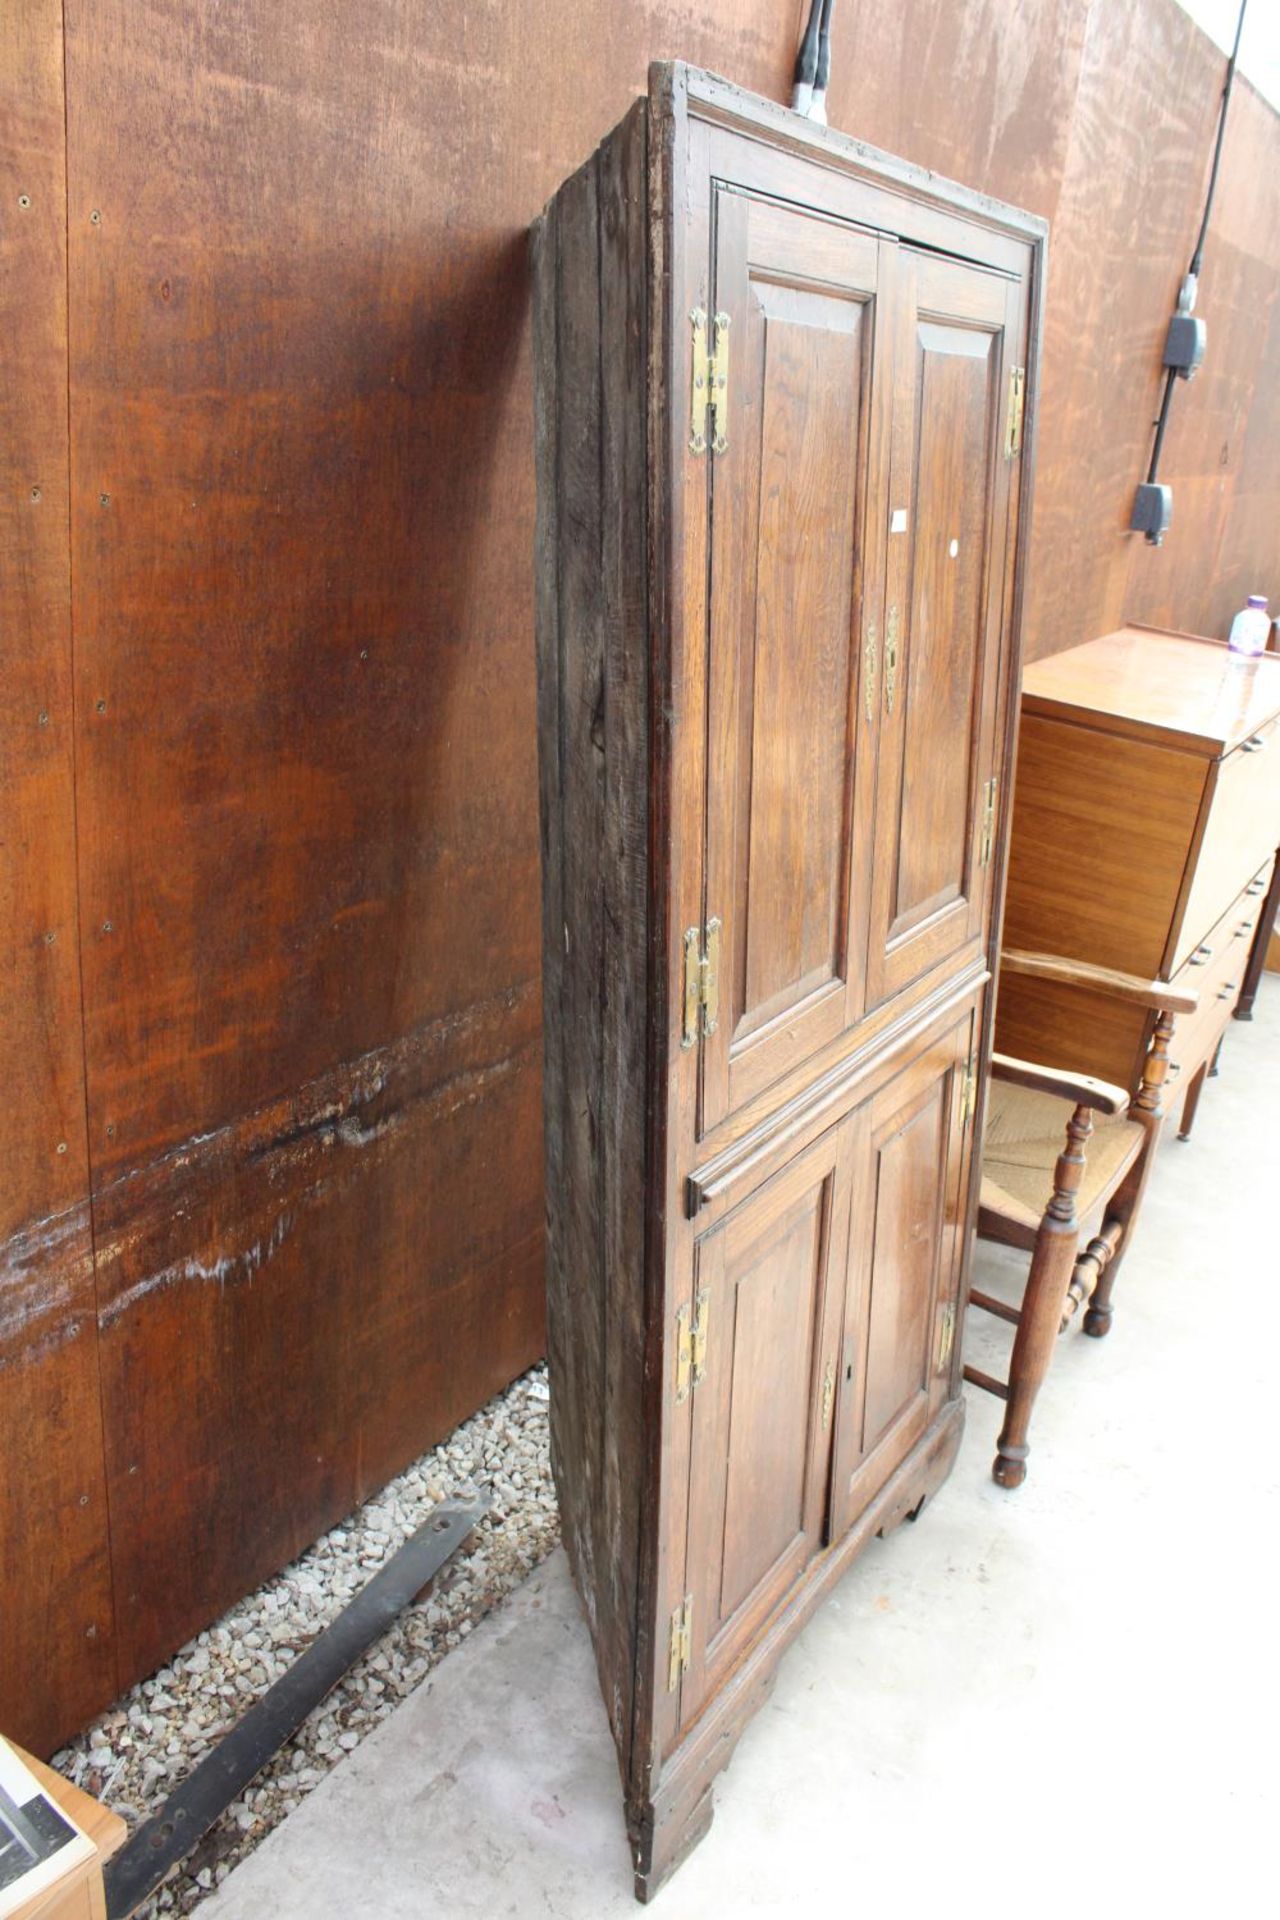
[1053, 1260]
[1148, 1110]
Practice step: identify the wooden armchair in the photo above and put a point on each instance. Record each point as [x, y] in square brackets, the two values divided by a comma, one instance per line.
[1053, 1178]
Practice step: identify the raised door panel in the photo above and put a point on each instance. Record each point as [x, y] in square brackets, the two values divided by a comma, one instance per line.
[789, 773]
[906, 1239]
[958, 335]
[768, 1292]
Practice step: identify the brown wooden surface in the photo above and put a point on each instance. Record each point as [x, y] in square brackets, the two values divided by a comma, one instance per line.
[56, 1656]
[903, 1268]
[299, 371]
[801, 430]
[770, 1279]
[592, 343]
[1089, 878]
[960, 332]
[1141, 683]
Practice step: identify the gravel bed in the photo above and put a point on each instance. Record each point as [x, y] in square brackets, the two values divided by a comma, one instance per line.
[134, 1755]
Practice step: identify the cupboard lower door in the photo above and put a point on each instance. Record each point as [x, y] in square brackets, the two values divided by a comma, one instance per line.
[910, 1176]
[768, 1296]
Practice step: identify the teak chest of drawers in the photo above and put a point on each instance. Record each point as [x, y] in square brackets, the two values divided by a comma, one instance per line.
[781, 384]
[1145, 825]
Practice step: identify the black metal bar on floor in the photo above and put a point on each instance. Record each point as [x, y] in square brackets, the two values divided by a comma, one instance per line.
[171, 1833]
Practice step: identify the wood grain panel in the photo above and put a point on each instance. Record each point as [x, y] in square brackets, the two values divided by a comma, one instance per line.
[788, 595]
[1071, 1029]
[909, 1164]
[909, 1153]
[592, 335]
[1111, 904]
[770, 1284]
[258, 1374]
[795, 770]
[1141, 127]
[56, 1651]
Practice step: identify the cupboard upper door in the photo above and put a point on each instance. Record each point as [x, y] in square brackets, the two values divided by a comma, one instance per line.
[796, 547]
[768, 1293]
[958, 332]
[906, 1239]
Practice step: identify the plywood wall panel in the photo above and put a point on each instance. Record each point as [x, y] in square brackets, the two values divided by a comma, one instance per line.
[357, 1268]
[301, 530]
[1121, 236]
[1221, 446]
[982, 91]
[56, 1654]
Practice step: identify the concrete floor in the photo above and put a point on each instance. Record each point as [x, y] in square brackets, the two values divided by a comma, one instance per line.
[1057, 1701]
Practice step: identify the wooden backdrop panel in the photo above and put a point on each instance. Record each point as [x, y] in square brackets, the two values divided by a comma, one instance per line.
[56, 1656]
[300, 535]
[1126, 219]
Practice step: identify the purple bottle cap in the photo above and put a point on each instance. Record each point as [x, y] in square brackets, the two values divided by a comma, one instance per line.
[1257, 599]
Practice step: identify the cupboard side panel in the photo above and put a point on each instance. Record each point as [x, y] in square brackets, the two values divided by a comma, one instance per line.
[590, 349]
[624, 981]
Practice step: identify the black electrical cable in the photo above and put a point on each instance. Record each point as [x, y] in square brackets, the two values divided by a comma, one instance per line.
[1193, 272]
[1198, 255]
[813, 60]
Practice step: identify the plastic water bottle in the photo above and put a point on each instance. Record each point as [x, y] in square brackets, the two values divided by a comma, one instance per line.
[1251, 626]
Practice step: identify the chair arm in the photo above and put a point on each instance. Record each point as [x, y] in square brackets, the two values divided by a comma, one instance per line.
[1080, 1087]
[1156, 996]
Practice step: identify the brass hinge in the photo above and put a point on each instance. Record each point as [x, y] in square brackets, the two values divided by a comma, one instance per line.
[681, 1642]
[869, 669]
[709, 403]
[691, 1345]
[828, 1394]
[946, 1336]
[986, 844]
[1017, 394]
[969, 1091]
[701, 982]
[891, 659]
[684, 1354]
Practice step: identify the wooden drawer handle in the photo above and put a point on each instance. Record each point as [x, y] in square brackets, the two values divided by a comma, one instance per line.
[1255, 745]
[1201, 957]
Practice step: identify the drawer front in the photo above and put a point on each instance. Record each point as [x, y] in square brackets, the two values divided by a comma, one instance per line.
[1215, 969]
[1242, 834]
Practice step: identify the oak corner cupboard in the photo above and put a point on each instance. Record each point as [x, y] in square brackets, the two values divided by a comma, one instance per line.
[785, 387]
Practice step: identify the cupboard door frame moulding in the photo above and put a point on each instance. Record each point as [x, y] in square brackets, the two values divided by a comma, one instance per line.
[660, 1166]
